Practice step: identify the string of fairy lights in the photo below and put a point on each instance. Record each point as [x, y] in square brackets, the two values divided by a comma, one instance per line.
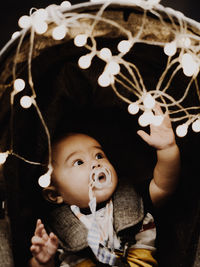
[183, 54]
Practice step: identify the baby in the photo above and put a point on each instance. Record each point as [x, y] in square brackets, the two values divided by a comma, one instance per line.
[106, 221]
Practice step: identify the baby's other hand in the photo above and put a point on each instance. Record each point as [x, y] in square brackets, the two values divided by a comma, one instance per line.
[161, 136]
[44, 246]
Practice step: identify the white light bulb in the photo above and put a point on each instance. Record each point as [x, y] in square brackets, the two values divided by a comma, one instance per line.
[45, 180]
[133, 108]
[182, 130]
[146, 118]
[189, 65]
[149, 101]
[170, 48]
[124, 46]
[191, 70]
[84, 62]
[153, 2]
[41, 14]
[196, 126]
[3, 157]
[40, 27]
[65, 4]
[186, 59]
[105, 53]
[15, 35]
[105, 79]
[19, 85]
[59, 32]
[157, 120]
[24, 22]
[186, 42]
[113, 68]
[80, 40]
[26, 101]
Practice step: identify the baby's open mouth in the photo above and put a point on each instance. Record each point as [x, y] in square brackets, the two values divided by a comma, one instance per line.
[100, 177]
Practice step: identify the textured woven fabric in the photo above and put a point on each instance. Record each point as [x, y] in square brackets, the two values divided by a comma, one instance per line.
[6, 257]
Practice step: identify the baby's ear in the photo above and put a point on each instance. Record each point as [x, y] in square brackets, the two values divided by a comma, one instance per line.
[50, 193]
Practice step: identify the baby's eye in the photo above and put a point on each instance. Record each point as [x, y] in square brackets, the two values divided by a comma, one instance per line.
[99, 156]
[78, 162]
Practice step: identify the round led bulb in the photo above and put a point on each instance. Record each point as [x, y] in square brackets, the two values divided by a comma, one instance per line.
[15, 35]
[186, 59]
[80, 40]
[40, 27]
[124, 46]
[191, 69]
[133, 108]
[146, 118]
[170, 48]
[84, 62]
[24, 22]
[45, 180]
[105, 80]
[105, 53]
[153, 2]
[186, 42]
[182, 130]
[149, 101]
[113, 68]
[59, 32]
[19, 85]
[3, 157]
[41, 14]
[65, 4]
[26, 101]
[196, 126]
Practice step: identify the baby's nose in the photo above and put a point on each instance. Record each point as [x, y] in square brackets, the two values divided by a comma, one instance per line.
[95, 165]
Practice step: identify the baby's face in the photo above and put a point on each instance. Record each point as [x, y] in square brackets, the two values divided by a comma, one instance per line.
[74, 159]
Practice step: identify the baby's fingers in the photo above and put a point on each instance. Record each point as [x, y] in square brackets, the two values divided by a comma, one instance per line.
[157, 109]
[35, 249]
[53, 239]
[146, 137]
[166, 119]
[39, 228]
[44, 235]
[36, 240]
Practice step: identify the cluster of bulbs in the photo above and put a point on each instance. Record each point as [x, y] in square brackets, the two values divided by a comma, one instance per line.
[190, 62]
[181, 50]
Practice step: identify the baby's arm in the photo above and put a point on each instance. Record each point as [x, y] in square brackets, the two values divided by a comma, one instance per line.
[166, 171]
[43, 247]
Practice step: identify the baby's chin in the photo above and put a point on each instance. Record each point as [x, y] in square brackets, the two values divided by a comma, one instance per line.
[104, 194]
[101, 195]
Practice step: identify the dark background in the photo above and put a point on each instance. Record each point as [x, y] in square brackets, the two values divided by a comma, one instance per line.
[12, 10]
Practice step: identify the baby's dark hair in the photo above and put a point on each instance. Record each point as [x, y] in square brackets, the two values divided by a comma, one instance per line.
[62, 136]
[66, 130]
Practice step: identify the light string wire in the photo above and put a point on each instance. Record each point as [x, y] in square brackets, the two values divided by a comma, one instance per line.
[184, 44]
[34, 95]
[173, 102]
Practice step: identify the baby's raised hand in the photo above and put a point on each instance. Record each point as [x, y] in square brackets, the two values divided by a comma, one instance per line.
[161, 136]
[44, 246]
